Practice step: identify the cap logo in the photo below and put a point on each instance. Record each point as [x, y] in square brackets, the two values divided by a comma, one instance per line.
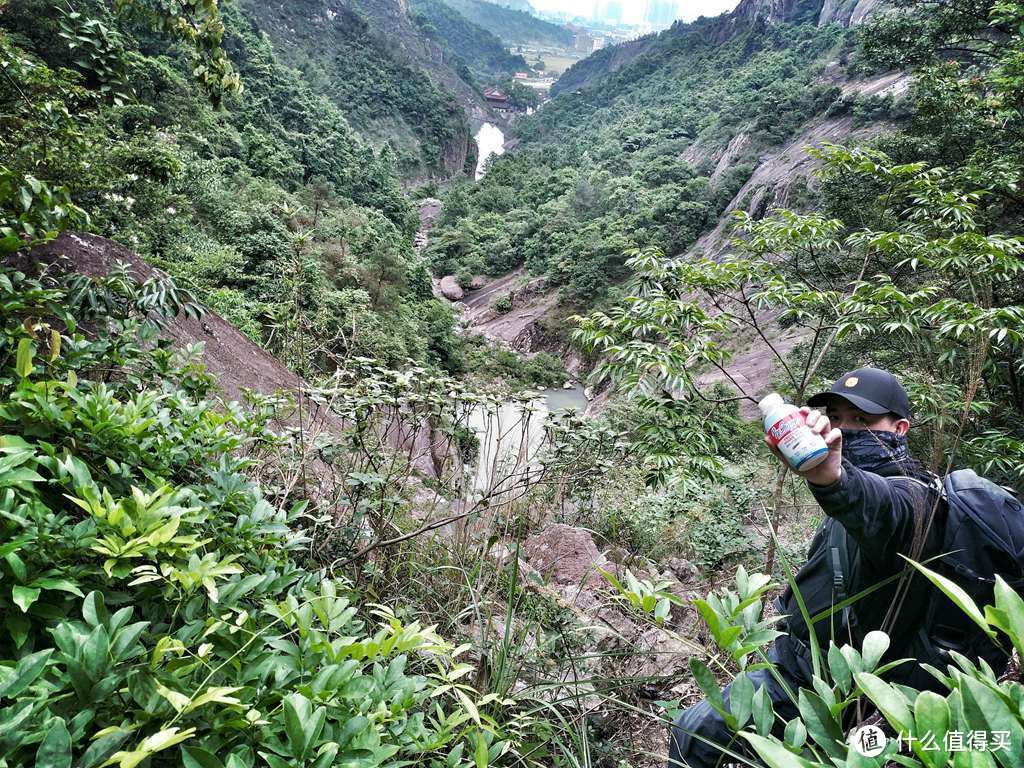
[851, 382]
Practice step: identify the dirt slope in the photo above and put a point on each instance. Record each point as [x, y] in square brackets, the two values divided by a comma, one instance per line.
[231, 357]
[228, 354]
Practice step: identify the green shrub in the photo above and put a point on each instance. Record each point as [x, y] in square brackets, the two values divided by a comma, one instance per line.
[158, 605]
[503, 304]
[844, 676]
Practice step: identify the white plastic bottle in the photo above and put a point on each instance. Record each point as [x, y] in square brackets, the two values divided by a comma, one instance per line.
[787, 430]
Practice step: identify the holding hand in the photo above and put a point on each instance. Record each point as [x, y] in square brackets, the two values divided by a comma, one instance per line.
[830, 470]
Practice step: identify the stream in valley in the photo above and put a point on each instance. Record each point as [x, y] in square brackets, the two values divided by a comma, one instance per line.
[511, 437]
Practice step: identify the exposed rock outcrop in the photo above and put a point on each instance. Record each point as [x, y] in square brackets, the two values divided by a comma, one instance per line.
[567, 556]
[234, 360]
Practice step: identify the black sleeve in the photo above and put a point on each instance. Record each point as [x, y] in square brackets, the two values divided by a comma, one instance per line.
[878, 512]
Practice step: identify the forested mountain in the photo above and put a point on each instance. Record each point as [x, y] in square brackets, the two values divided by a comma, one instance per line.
[486, 56]
[229, 200]
[392, 82]
[515, 27]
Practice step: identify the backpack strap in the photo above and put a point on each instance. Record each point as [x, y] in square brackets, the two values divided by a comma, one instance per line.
[839, 558]
[839, 555]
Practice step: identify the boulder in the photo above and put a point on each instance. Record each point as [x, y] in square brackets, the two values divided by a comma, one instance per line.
[503, 556]
[478, 282]
[660, 654]
[567, 556]
[683, 570]
[451, 289]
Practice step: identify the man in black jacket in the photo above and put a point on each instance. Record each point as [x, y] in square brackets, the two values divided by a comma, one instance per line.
[879, 503]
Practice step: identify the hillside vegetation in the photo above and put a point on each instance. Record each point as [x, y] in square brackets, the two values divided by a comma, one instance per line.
[484, 54]
[515, 27]
[602, 170]
[370, 61]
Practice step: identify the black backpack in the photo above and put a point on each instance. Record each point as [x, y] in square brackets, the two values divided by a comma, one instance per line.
[984, 536]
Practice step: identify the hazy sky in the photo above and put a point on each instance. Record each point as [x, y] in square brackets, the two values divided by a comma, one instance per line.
[688, 9]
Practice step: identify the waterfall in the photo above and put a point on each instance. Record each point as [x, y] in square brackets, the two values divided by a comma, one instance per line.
[490, 141]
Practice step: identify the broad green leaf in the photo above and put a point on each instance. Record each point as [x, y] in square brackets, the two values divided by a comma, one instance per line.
[18, 625]
[821, 725]
[177, 700]
[986, 710]
[955, 593]
[104, 745]
[25, 673]
[889, 701]
[196, 757]
[23, 361]
[795, 733]
[55, 748]
[839, 669]
[481, 759]
[60, 585]
[875, 645]
[217, 695]
[931, 715]
[93, 609]
[17, 566]
[149, 746]
[711, 690]
[764, 715]
[24, 596]
[741, 699]
[774, 754]
[1012, 606]
[297, 711]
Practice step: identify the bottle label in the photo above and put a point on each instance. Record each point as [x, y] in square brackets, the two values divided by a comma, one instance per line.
[795, 441]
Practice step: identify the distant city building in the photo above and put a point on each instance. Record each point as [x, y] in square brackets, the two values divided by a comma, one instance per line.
[661, 13]
[584, 43]
[599, 43]
[613, 12]
[521, 75]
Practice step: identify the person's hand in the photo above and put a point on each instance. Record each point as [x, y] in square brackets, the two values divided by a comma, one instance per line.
[831, 469]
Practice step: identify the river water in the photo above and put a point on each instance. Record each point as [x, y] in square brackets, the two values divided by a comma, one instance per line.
[511, 436]
[490, 141]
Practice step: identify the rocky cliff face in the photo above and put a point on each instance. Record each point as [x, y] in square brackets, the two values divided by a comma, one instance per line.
[392, 22]
[775, 11]
[845, 12]
[849, 13]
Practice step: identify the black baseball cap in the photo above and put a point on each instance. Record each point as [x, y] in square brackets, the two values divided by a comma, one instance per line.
[870, 389]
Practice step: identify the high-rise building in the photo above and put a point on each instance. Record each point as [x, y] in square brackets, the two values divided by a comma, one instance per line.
[613, 12]
[661, 13]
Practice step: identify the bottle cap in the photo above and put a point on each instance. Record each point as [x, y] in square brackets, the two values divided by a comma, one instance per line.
[770, 402]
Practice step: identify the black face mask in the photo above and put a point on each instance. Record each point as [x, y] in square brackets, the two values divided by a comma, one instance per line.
[883, 453]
